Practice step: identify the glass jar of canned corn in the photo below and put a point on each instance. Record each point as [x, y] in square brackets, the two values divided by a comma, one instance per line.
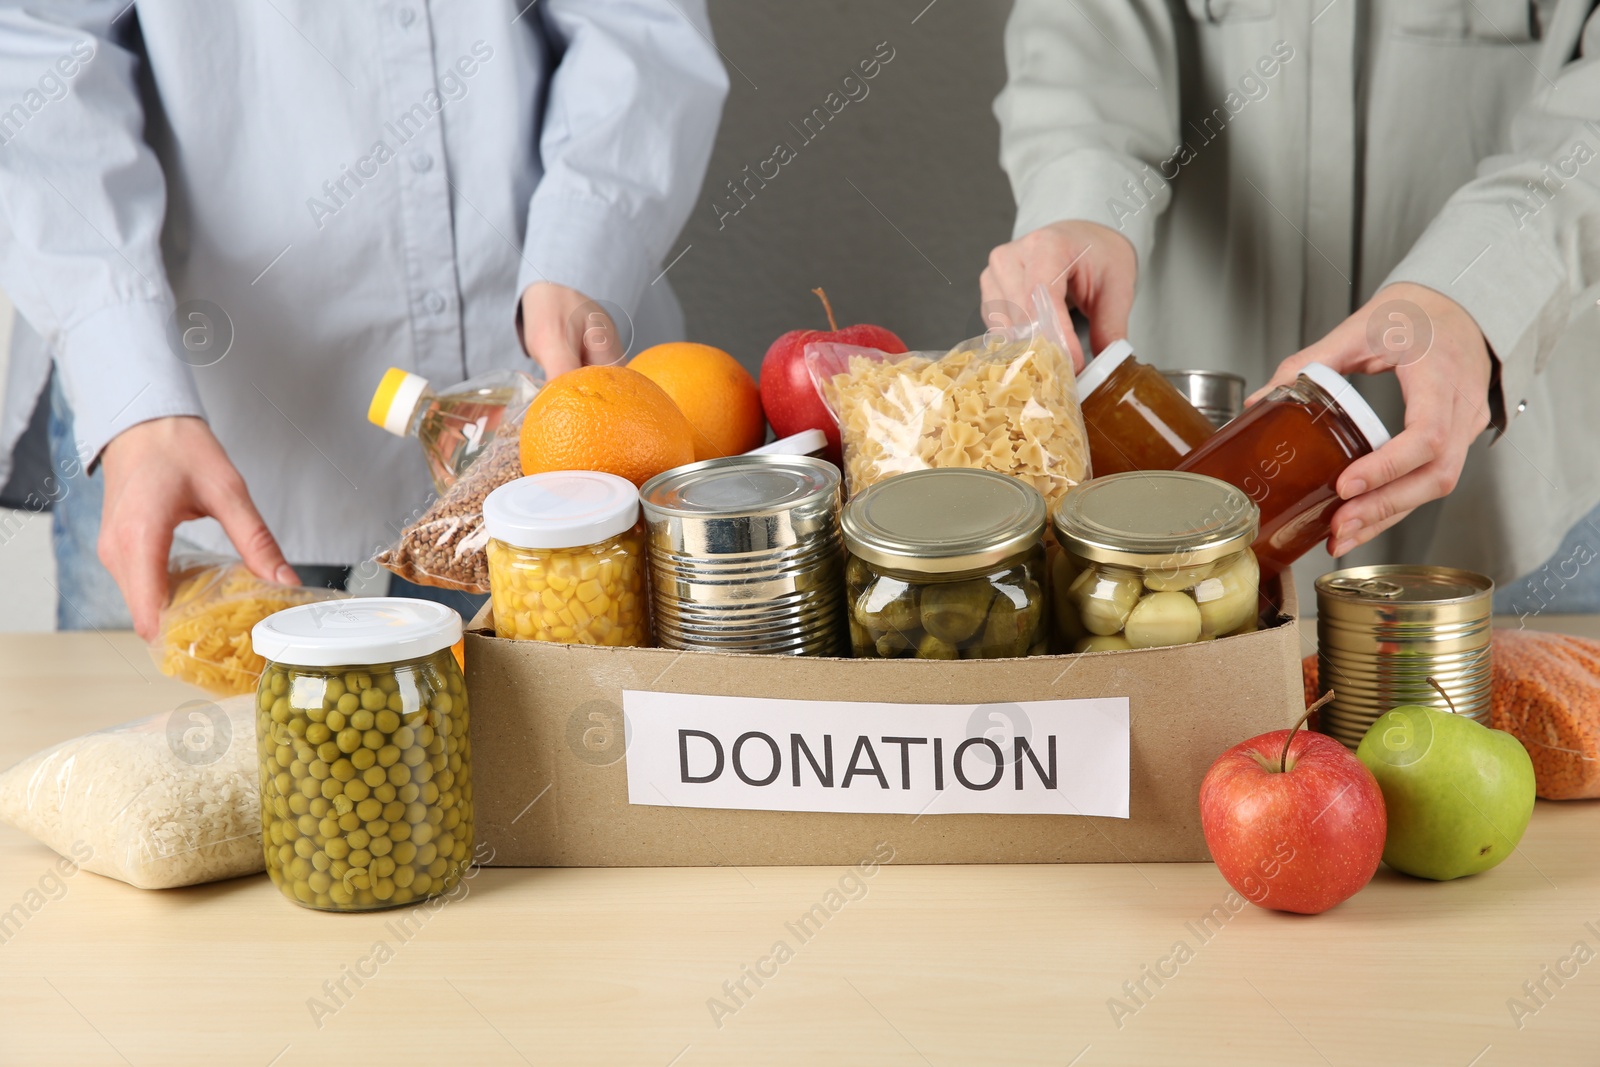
[567, 560]
[365, 763]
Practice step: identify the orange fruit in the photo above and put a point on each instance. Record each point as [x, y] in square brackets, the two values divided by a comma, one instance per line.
[608, 419]
[716, 395]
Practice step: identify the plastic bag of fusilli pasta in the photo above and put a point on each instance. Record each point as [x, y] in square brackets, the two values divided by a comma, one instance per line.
[1006, 401]
[205, 628]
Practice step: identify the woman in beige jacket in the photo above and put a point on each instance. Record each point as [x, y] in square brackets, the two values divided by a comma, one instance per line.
[1380, 185]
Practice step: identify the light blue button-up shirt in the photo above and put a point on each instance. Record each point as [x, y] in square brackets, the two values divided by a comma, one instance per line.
[354, 186]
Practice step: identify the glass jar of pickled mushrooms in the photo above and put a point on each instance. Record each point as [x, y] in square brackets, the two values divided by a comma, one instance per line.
[1153, 558]
[946, 564]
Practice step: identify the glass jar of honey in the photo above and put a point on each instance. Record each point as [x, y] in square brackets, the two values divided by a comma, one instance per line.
[1136, 419]
[1287, 453]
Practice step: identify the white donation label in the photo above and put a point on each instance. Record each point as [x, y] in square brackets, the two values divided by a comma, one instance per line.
[1039, 757]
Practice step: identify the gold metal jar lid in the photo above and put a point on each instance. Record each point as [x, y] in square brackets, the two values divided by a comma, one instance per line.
[1151, 519]
[952, 520]
[1404, 593]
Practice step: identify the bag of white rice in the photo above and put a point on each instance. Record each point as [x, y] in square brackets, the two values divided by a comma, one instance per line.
[160, 802]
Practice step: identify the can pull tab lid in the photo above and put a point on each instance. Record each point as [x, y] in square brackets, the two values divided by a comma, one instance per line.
[1377, 588]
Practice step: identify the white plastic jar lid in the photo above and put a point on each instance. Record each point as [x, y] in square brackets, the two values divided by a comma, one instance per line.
[1354, 404]
[803, 443]
[561, 509]
[1100, 367]
[364, 631]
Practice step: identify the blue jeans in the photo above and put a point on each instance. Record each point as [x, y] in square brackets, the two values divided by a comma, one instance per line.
[1567, 583]
[87, 597]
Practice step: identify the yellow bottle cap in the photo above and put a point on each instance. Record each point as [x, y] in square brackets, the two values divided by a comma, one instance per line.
[395, 399]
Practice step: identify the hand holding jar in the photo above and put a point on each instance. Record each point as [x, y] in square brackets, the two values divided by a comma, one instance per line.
[1445, 380]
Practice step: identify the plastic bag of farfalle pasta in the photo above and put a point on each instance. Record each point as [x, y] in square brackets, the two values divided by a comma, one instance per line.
[1006, 402]
[160, 802]
[204, 635]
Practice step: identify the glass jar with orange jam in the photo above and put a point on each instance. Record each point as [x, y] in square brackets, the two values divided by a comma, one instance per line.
[1287, 452]
[1136, 419]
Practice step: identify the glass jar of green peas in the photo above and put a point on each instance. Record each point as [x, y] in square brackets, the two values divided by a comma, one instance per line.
[366, 766]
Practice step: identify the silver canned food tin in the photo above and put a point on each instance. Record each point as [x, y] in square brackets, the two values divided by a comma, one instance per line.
[1217, 394]
[745, 555]
[1382, 632]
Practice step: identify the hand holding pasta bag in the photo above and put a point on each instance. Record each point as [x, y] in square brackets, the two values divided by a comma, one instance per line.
[1006, 401]
[203, 635]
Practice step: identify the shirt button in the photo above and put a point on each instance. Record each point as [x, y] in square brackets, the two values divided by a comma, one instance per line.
[434, 302]
[1521, 407]
[421, 161]
[405, 16]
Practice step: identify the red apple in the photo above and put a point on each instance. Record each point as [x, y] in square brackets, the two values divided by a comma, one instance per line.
[1293, 820]
[788, 394]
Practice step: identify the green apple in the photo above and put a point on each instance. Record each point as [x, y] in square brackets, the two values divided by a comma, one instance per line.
[1458, 794]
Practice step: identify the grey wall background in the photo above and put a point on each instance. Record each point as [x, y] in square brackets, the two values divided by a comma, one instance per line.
[922, 146]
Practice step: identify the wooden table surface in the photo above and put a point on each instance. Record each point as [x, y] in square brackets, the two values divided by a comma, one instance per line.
[920, 965]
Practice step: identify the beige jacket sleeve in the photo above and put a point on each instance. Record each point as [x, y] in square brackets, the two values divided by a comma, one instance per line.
[1090, 104]
[1517, 245]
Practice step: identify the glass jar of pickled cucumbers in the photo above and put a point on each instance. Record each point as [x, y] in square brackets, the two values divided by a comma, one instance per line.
[567, 559]
[366, 767]
[1152, 558]
[946, 564]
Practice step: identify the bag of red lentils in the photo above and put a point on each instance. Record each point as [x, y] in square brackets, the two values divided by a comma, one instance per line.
[1545, 693]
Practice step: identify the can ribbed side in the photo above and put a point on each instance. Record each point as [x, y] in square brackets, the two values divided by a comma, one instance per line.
[1377, 652]
[785, 599]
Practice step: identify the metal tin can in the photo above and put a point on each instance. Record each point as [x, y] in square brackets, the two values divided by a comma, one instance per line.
[1218, 394]
[1383, 631]
[745, 555]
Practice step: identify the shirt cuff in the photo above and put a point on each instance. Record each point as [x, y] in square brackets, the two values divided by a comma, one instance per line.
[1095, 187]
[118, 370]
[585, 245]
[1514, 289]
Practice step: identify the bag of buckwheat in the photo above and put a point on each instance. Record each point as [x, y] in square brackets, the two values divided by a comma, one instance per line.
[445, 547]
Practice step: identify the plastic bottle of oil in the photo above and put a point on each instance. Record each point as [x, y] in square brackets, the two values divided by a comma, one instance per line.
[455, 425]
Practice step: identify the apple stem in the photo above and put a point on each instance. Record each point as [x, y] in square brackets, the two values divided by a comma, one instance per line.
[1440, 690]
[822, 296]
[1283, 759]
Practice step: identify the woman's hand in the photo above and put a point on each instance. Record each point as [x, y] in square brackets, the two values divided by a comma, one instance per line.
[158, 474]
[562, 329]
[1085, 263]
[1444, 366]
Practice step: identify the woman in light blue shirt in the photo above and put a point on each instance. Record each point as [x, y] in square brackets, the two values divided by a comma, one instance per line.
[332, 189]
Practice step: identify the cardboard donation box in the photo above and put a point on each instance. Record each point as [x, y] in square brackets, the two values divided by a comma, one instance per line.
[608, 757]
